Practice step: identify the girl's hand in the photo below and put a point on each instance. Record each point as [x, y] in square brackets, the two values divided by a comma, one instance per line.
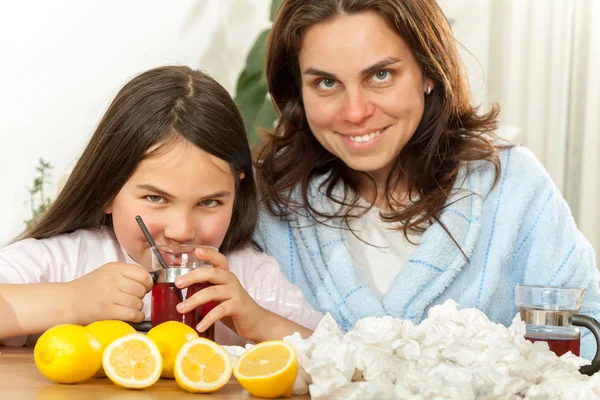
[234, 307]
[113, 291]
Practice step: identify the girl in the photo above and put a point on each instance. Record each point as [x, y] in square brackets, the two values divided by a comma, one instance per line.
[385, 190]
[171, 148]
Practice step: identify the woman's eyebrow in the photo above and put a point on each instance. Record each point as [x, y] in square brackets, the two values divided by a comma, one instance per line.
[367, 71]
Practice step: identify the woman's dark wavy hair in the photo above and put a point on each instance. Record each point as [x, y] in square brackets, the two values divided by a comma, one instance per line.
[160, 106]
[450, 132]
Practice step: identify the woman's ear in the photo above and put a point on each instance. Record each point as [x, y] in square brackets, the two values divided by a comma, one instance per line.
[428, 86]
[108, 207]
[242, 175]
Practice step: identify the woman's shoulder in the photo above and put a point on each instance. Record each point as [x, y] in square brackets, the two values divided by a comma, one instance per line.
[518, 166]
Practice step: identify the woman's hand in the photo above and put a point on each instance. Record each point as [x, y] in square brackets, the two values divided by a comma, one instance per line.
[113, 291]
[234, 307]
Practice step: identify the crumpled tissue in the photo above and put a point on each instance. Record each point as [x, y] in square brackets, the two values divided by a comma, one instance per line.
[453, 354]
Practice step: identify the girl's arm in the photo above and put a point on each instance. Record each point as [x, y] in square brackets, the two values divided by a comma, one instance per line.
[113, 291]
[254, 314]
[271, 289]
[277, 327]
[33, 308]
[67, 279]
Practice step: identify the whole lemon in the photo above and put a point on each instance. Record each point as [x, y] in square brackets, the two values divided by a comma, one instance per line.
[169, 337]
[68, 354]
[106, 332]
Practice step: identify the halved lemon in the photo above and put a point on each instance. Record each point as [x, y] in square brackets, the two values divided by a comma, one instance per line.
[202, 366]
[132, 361]
[268, 369]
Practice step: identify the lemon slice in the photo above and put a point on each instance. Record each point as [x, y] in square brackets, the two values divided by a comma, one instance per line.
[202, 366]
[132, 361]
[268, 369]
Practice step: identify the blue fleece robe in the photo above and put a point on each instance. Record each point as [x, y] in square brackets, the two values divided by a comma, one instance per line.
[518, 231]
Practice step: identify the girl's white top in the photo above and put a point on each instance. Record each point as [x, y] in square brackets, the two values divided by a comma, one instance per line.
[66, 257]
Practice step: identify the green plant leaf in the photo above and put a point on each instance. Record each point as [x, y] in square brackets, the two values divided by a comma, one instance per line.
[275, 5]
[39, 206]
[251, 89]
[256, 60]
[251, 93]
[265, 119]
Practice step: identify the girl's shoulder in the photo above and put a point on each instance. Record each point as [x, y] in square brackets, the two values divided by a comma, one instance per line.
[59, 258]
[250, 265]
[250, 259]
[92, 236]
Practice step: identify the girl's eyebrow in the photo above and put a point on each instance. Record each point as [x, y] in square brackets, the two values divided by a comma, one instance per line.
[220, 194]
[154, 189]
[151, 188]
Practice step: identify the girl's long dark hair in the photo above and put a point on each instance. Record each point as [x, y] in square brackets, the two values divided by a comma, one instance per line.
[162, 104]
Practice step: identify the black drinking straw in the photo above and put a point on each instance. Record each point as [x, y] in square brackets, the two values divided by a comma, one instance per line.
[146, 233]
[161, 260]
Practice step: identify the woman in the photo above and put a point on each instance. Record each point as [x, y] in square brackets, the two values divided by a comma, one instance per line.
[385, 192]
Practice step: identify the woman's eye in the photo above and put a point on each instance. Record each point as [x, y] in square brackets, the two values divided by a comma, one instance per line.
[327, 84]
[155, 199]
[209, 203]
[381, 76]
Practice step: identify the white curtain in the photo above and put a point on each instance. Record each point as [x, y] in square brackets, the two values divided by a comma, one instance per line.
[543, 68]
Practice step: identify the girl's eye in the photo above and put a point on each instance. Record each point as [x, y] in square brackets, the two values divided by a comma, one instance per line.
[326, 84]
[209, 203]
[155, 199]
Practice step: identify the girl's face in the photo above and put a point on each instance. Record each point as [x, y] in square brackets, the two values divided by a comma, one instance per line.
[183, 194]
[363, 90]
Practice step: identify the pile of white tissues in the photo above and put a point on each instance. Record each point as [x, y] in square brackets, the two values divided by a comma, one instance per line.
[453, 354]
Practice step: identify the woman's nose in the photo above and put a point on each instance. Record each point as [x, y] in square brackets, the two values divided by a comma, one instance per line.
[357, 106]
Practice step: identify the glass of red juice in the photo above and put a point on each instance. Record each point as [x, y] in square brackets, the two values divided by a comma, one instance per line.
[177, 260]
[551, 315]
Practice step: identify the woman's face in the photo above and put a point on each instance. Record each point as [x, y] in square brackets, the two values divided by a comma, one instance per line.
[363, 90]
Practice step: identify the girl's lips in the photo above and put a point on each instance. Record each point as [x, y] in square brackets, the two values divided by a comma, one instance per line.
[364, 144]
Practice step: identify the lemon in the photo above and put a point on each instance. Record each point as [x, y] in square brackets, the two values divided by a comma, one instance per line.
[169, 337]
[268, 369]
[68, 354]
[106, 332]
[202, 366]
[132, 361]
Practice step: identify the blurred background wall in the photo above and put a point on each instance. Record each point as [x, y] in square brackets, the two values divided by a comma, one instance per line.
[61, 62]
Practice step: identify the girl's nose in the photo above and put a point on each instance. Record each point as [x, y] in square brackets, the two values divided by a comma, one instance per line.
[180, 229]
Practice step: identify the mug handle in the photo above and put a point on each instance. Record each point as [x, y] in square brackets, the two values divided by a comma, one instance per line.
[143, 326]
[593, 325]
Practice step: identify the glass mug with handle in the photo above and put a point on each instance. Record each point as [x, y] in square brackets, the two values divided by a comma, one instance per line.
[168, 263]
[551, 314]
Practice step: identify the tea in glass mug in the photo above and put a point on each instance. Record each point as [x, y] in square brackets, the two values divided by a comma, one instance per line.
[551, 314]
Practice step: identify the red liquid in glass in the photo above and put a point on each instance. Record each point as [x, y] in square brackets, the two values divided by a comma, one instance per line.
[560, 346]
[165, 297]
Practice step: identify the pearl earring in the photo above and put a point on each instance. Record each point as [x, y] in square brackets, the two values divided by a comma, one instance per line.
[429, 89]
